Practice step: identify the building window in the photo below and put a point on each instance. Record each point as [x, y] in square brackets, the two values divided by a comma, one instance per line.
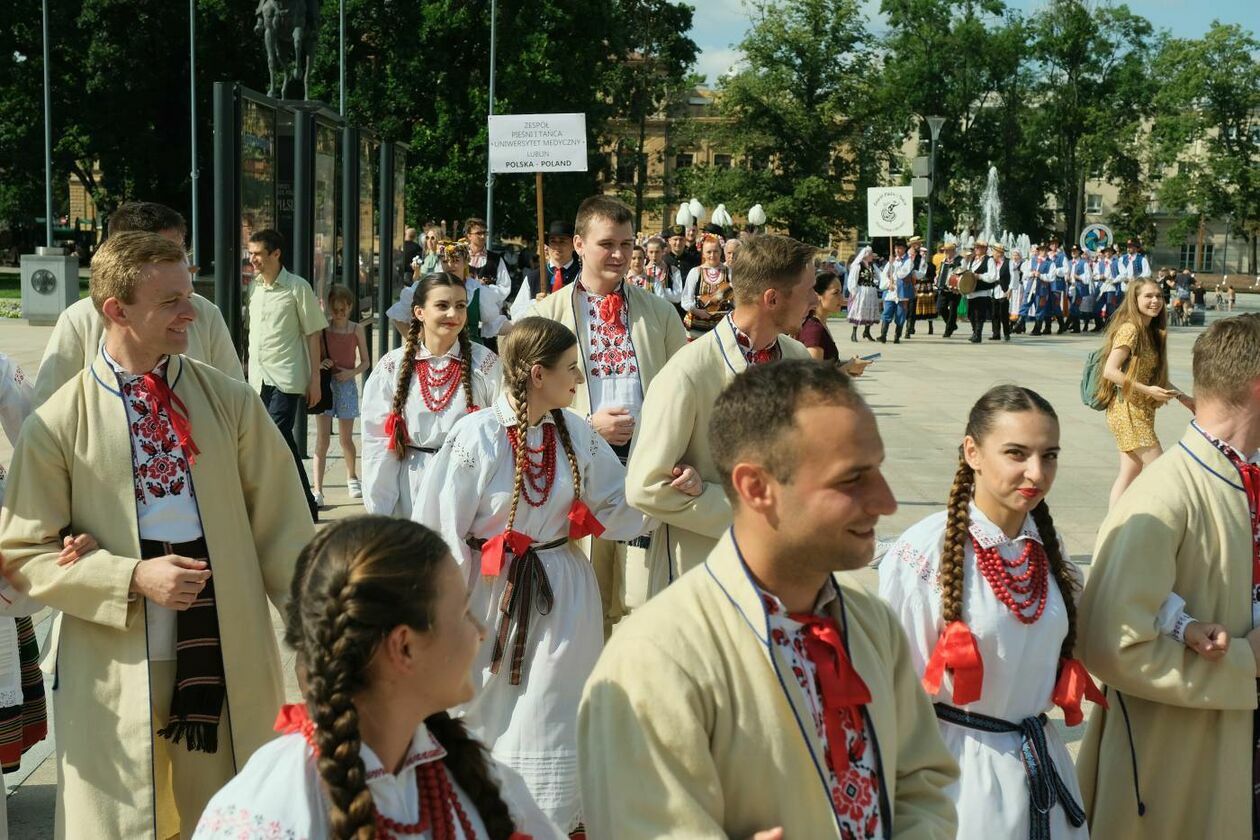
[722, 161]
[1093, 203]
[1186, 258]
[684, 160]
[625, 166]
[1208, 255]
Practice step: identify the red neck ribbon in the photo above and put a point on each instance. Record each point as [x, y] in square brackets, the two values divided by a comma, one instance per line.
[843, 690]
[557, 280]
[159, 395]
[610, 310]
[957, 652]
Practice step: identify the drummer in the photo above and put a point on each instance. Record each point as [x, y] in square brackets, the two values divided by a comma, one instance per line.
[977, 284]
[947, 296]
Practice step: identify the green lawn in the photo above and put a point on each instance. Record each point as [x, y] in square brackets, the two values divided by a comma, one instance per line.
[11, 286]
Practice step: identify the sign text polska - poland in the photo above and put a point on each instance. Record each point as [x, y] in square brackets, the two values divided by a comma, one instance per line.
[538, 143]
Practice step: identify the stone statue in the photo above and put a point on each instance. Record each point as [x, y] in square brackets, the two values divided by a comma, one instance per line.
[289, 28]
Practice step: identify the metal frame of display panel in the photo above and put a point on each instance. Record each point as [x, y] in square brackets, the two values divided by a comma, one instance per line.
[392, 222]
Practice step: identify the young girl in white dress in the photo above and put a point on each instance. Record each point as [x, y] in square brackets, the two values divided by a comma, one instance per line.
[417, 392]
[378, 615]
[511, 490]
[987, 596]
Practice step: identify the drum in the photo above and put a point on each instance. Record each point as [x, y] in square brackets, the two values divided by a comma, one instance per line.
[967, 282]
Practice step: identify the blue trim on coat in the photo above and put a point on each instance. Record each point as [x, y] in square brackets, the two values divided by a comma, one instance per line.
[1199, 460]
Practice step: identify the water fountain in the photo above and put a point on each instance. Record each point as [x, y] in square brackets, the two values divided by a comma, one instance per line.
[991, 207]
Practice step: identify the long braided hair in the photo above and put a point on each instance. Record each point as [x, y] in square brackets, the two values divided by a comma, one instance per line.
[535, 341]
[415, 335]
[353, 584]
[1002, 399]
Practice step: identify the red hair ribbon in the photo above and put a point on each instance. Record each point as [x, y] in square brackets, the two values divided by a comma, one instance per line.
[494, 549]
[957, 652]
[159, 394]
[293, 717]
[582, 523]
[394, 421]
[1074, 682]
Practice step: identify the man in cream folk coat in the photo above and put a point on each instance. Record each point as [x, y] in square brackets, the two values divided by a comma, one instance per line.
[1175, 757]
[773, 281]
[625, 336]
[760, 695]
[168, 672]
[75, 339]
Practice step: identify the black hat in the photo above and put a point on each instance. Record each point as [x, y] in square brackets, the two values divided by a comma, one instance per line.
[559, 228]
[714, 229]
[1133, 243]
[675, 230]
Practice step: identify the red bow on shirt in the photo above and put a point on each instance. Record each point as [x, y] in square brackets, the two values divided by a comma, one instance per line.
[582, 522]
[958, 652]
[610, 311]
[157, 394]
[1073, 684]
[842, 687]
[493, 550]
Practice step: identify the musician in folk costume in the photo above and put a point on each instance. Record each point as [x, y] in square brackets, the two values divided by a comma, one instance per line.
[918, 271]
[1109, 288]
[1133, 265]
[947, 294]
[1059, 303]
[1041, 272]
[897, 285]
[1001, 294]
[862, 284]
[986, 593]
[707, 295]
[1080, 276]
[980, 299]
[664, 279]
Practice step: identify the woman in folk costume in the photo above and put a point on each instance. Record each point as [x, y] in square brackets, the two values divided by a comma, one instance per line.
[863, 288]
[417, 392]
[1134, 381]
[707, 295]
[511, 489]
[379, 619]
[1021, 297]
[485, 301]
[986, 592]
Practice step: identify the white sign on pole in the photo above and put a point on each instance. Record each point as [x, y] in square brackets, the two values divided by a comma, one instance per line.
[538, 143]
[889, 211]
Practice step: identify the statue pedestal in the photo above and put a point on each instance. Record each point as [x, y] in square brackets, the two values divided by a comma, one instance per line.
[50, 284]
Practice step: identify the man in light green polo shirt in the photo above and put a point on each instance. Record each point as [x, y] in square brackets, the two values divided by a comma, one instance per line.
[285, 322]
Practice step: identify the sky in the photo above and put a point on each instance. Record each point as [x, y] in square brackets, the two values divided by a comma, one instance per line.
[719, 25]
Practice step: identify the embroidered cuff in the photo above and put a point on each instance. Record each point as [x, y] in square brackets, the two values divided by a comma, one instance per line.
[1179, 627]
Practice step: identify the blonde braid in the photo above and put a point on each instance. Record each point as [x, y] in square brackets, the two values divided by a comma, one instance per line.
[398, 443]
[562, 428]
[517, 386]
[465, 374]
[954, 551]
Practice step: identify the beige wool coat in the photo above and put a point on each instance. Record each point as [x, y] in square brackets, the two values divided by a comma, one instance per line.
[73, 467]
[675, 428]
[77, 336]
[1184, 527]
[690, 726]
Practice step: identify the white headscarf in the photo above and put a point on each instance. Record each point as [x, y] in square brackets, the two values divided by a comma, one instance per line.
[855, 268]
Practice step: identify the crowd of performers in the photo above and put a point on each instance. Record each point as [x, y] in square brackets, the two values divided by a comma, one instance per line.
[596, 592]
[1046, 292]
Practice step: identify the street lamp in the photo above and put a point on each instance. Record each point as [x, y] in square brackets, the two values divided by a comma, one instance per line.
[48, 222]
[489, 170]
[934, 124]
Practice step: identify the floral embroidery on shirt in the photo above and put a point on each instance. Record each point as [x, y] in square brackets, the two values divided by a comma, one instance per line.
[855, 796]
[160, 467]
[612, 352]
[917, 560]
[234, 822]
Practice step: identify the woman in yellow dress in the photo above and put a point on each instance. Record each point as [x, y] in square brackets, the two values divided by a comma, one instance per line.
[1134, 380]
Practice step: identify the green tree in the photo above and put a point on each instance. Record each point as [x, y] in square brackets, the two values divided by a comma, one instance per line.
[964, 60]
[801, 109]
[651, 75]
[1204, 130]
[1093, 90]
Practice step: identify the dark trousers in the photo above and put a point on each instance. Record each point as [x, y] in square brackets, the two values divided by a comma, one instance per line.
[283, 409]
[1001, 319]
[947, 308]
[979, 312]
